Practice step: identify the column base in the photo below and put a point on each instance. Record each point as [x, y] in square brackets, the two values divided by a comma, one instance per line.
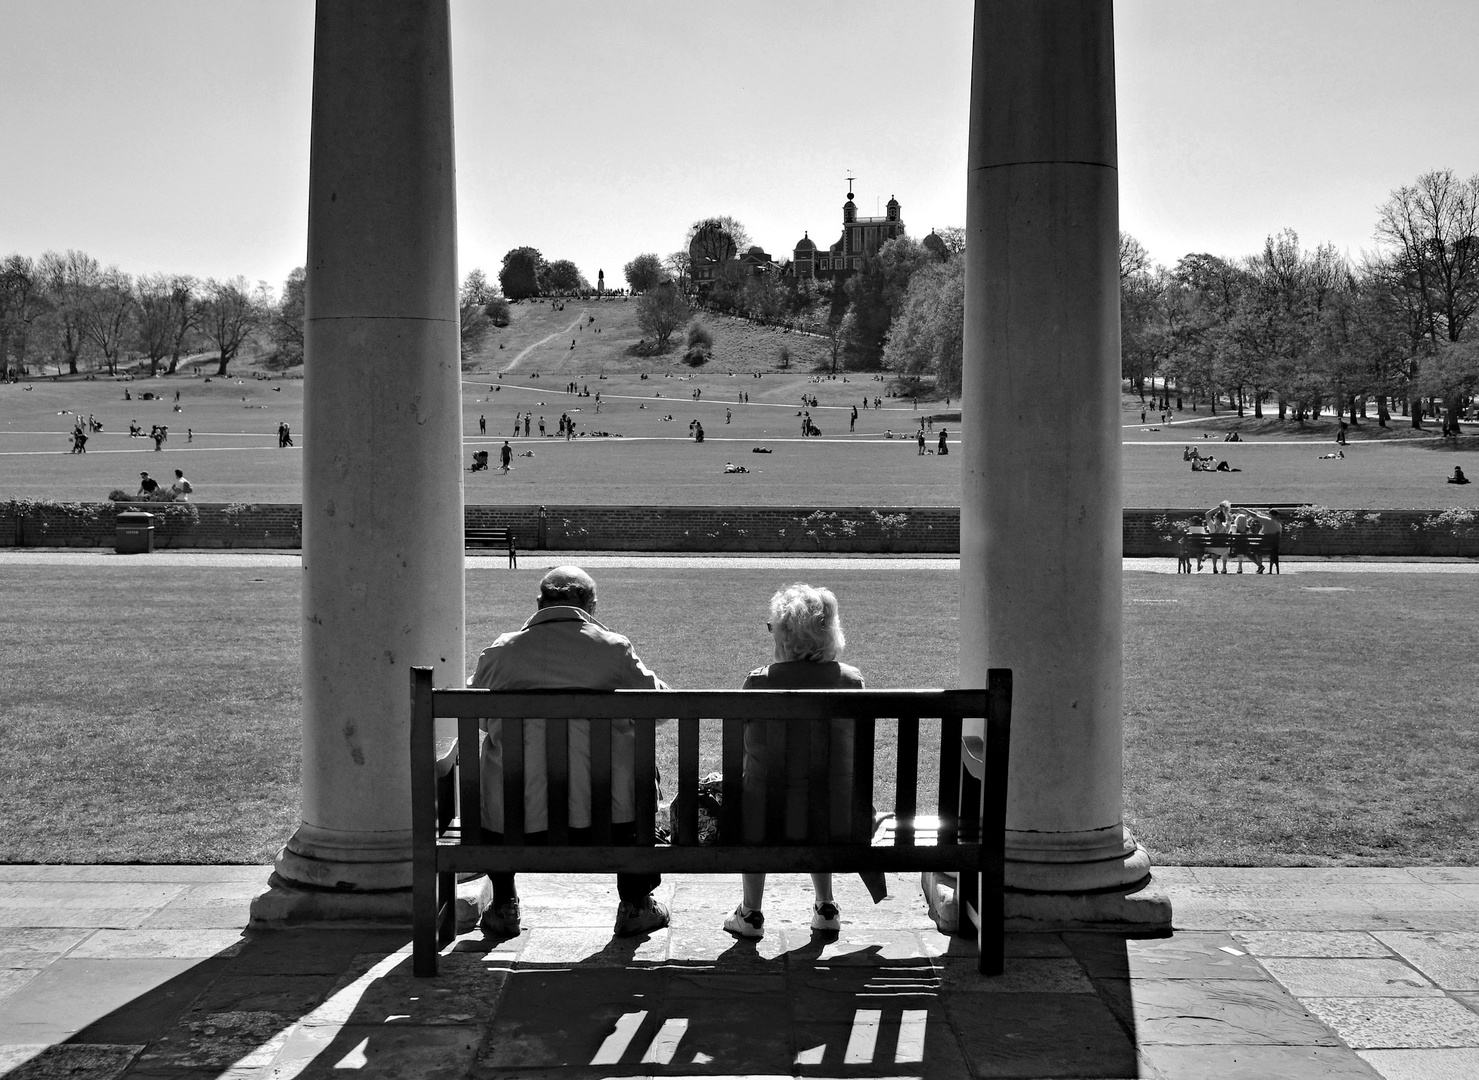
[1140, 910]
[287, 904]
[290, 904]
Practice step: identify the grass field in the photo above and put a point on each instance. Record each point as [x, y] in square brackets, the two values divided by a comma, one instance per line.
[234, 456]
[153, 714]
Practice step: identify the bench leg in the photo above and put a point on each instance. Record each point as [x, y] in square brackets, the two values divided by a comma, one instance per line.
[424, 928]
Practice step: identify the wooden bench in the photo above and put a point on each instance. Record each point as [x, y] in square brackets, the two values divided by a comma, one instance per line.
[1199, 545]
[495, 536]
[963, 831]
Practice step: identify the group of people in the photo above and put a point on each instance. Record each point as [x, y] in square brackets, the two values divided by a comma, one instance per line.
[941, 449]
[1201, 462]
[284, 435]
[563, 646]
[1225, 531]
[178, 491]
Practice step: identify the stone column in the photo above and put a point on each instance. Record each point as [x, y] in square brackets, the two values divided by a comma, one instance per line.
[1040, 487]
[382, 470]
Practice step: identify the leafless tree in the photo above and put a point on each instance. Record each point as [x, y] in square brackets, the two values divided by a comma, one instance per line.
[107, 314]
[66, 281]
[1430, 231]
[230, 311]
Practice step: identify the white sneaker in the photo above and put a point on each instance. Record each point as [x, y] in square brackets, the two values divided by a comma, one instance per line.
[825, 915]
[746, 924]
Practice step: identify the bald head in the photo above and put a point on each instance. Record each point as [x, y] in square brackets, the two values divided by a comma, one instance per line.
[568, 586]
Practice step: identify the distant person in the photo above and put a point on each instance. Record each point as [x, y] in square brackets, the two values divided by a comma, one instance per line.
[181, 488]
[505, 456]
[726, 416]
[1271, 528]
[853, 422]
[513, 550]
[1458, 476]
[482, 425]
[158, 438]
[698, 432]
[942, 449]
[919, 437]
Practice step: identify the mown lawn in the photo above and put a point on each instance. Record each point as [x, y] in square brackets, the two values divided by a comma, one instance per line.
[152, 714]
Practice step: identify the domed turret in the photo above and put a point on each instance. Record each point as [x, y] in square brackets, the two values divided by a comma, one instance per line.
[849, 210]
[893, 208]
[936, 246]
[806, 243]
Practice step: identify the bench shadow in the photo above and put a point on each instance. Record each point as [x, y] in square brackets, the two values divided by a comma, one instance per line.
[313, 1003]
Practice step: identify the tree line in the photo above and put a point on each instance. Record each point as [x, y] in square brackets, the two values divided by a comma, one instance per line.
[66, 312]
[1295, 329]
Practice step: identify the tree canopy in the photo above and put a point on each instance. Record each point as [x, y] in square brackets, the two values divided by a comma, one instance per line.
[643, 273]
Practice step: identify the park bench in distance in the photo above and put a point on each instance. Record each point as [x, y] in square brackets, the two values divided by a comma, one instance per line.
[1197, 545]
[493, 536]
[968, 835]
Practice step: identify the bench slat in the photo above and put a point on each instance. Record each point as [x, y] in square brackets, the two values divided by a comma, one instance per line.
[600, 781]
[470, 781]
[513, 732]
[645, 775]
[732, 790]
[722, 859]
[906, 780]
[948, 805]
[557, 773]
[862, 778]
[732, 704]
[819, 811]
[685, 821]
[775, 740]
[424, 781]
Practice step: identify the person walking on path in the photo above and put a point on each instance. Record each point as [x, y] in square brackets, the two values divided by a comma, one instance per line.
[505, 456]
[563, 647]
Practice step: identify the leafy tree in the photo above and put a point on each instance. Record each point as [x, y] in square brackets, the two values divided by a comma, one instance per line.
[643, 273]
[562, 275]
[927, 336]
[21, 304]
[107, 314]
[660, 312]
[287, 321]
[498, 311]
[230, 311]
[876, 292]
[522, 270]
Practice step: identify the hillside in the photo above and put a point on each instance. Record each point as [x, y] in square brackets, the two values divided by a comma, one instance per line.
[606, 340]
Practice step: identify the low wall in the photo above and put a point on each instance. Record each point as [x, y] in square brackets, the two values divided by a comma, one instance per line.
[931, 530]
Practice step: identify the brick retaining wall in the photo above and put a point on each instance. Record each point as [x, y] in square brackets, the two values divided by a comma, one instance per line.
[912, 530]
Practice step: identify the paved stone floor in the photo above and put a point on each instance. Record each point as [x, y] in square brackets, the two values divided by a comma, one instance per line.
[146, 972]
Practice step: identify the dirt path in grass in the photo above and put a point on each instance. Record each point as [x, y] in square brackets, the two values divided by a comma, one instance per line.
[558, 333]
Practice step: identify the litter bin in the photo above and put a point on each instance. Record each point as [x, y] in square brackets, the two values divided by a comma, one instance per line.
[135, 534]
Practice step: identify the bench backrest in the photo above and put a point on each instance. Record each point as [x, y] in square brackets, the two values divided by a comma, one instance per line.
[799, 719]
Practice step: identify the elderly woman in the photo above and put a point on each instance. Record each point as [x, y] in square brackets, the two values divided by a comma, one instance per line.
[807, 629]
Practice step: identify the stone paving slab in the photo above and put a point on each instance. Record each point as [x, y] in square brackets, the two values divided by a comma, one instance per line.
[146, 972]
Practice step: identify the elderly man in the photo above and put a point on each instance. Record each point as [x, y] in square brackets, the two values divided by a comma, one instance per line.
[562, 646]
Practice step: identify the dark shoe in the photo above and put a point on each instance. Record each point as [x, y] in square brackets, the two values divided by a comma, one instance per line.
[501, 920]
[633, 920]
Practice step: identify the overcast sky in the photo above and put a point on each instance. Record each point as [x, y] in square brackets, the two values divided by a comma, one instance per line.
[172, 135]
